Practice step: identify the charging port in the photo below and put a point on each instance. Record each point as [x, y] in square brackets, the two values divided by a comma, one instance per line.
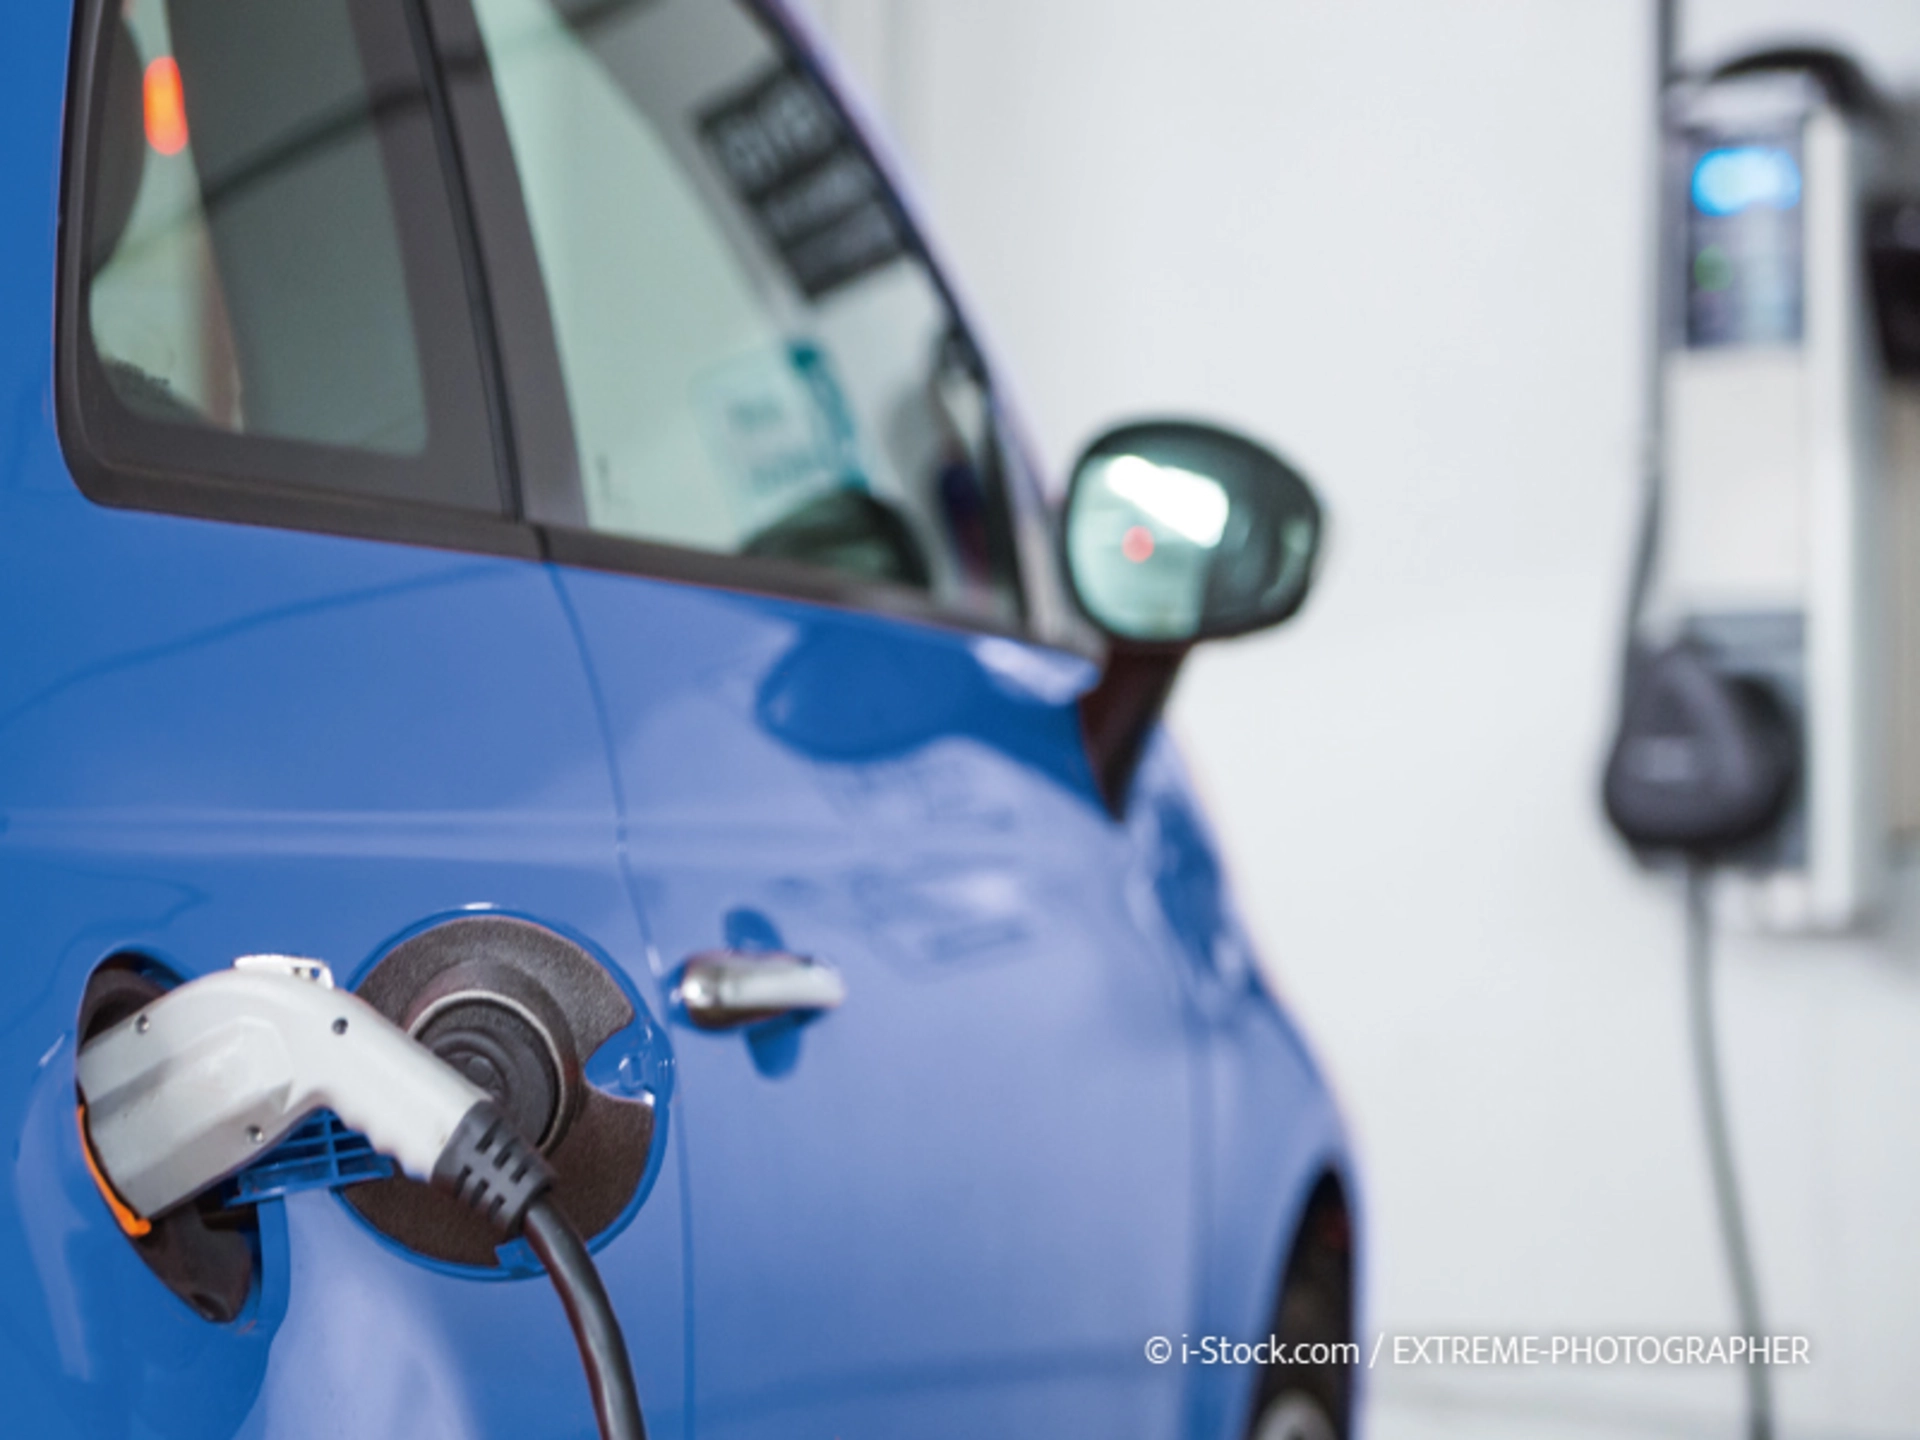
[519, 1010]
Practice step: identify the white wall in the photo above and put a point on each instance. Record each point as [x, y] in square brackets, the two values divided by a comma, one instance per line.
[1402, 241]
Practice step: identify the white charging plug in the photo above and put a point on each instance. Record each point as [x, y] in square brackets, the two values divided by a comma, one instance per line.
[205, 1079]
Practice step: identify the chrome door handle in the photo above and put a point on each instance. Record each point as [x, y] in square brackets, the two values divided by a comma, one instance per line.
[725, 989]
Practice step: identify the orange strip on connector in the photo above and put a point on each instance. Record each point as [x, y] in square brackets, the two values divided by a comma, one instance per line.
[129, 1222]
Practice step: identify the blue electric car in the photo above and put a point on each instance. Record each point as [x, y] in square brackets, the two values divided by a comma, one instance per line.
[498, 496]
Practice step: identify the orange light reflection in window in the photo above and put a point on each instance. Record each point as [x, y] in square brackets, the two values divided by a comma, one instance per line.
[166, 107]
[1137, 543]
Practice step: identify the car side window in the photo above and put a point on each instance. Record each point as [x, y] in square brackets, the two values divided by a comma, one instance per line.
[271, 287]
[757, 360]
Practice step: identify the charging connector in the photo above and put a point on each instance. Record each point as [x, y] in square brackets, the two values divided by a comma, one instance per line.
[204, 1080]
[201, 1081]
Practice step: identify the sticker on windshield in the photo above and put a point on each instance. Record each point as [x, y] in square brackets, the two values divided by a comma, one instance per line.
[813, 194]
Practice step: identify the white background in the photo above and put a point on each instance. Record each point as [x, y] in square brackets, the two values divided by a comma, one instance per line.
[1402, 241]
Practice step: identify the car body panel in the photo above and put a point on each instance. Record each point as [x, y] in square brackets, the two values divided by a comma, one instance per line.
[926, 1190]
[222, 739]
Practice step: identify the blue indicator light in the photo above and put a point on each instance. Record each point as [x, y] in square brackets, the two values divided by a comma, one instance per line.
[1739, 177]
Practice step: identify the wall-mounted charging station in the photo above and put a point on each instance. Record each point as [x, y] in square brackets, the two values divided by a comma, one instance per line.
[1773, 557]
[1769, 675]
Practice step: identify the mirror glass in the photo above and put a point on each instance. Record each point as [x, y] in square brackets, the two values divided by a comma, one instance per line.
[1178, 531]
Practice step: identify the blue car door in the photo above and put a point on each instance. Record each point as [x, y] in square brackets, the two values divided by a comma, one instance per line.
[802, 564]
[283, 671]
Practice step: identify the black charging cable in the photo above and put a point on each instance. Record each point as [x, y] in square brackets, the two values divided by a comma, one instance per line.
[493, 1169]
[1713, 1114]
[603, 1351]
[1705, 763]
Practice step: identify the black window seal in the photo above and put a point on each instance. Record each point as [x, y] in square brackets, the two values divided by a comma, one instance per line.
[761, 575]
[526, 356]
[271, 503]
[486, 332]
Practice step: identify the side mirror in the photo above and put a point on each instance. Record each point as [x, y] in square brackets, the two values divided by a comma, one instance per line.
[1177, 532]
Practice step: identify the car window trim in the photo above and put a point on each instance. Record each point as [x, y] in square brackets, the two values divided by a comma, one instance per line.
[603, 550]
[261, 499]
[532, 388]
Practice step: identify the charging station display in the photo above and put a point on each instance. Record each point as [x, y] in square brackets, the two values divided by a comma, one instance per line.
[1745, 242]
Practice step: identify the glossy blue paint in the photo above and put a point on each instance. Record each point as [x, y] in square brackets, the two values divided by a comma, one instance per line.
[1057, 1114]
[1254, 1069]
[226, 739]
[930, 1202]
[965, 1200]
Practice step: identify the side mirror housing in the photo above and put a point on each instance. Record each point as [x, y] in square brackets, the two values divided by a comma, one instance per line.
[1176, 532]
